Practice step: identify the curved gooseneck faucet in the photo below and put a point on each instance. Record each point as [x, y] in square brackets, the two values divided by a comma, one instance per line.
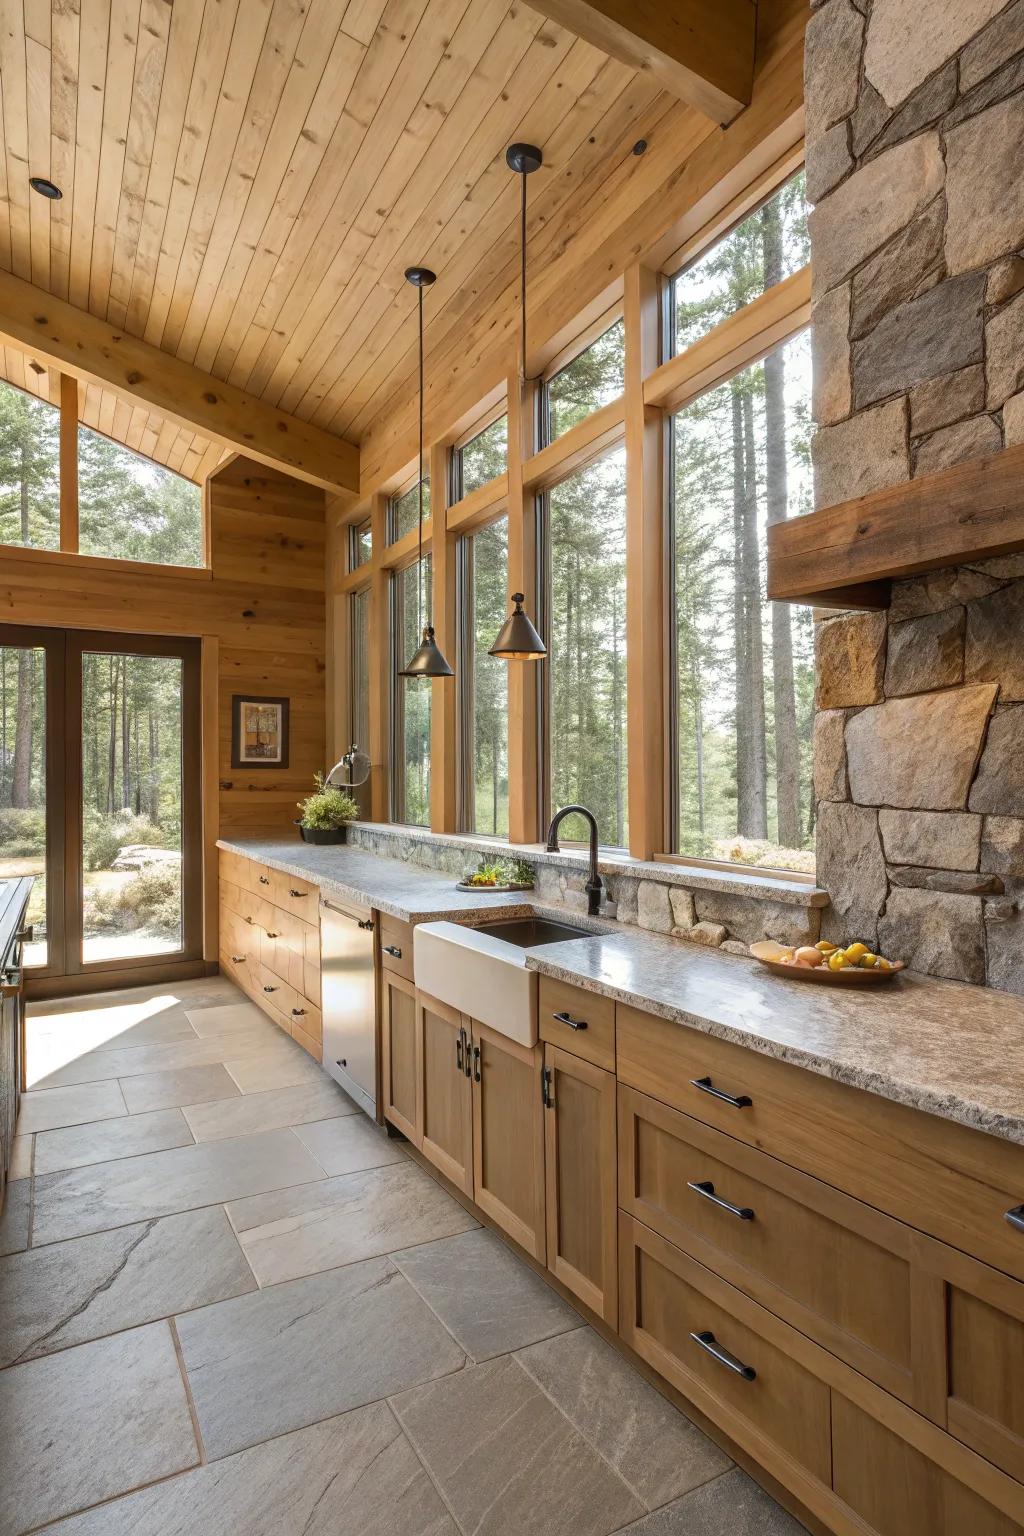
[594, 885]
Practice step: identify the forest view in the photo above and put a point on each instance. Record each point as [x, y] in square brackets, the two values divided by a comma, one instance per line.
[744, 666]
[129, 508]
[410, 797]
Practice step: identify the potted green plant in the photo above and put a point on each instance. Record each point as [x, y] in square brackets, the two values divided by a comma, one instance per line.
[326, 813]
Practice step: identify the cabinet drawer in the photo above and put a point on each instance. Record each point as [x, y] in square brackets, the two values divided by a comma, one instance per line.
[665, 1299]
[288, 1001]
[900, 1492]
[985, 1373]
[396, 946]
[242, 872]
[293, 894]
[936, 1176]
[837, 1270]
[578, 1021]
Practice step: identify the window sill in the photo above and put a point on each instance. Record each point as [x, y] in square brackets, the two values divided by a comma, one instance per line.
[760, 885]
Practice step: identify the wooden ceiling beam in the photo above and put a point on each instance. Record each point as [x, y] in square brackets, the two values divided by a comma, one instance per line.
[66, 338]
[703, 54]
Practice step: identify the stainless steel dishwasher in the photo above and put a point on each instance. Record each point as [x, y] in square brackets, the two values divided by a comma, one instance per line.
[349, 999]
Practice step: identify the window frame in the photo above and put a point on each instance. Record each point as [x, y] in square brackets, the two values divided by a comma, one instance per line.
[359, 595]
[581, 342]
[465, 666]
[391, 535]
[353, 532]
[456, 489]
[396, 716]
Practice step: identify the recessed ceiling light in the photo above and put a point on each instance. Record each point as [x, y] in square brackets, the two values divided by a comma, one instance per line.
[45, 187]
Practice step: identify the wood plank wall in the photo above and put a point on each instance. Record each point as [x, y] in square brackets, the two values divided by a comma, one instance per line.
[259, 610]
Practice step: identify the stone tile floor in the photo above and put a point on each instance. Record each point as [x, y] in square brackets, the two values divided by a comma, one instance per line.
[230, 1305]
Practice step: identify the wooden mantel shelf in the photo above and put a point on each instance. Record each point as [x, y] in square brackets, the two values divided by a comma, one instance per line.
[847, 556]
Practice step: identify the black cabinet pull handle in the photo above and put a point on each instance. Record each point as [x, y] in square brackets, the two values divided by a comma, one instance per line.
[297, 893]
[270, 989]
[393, 949]
[466, 1053]
[708, 1342]
[366, 923]
[264, 880]
[272, 935]
[458, 1052]
[546, 1079]
[738, 1101]
[476, 1063]
[237, 959]
[567, 1018]
[1016, 1217]
[249, 920]
[299, 1013]
[706, 1190]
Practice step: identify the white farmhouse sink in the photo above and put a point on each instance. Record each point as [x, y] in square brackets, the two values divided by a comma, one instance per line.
[482, 971]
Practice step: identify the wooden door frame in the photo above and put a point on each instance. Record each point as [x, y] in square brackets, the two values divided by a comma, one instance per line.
[65, 971]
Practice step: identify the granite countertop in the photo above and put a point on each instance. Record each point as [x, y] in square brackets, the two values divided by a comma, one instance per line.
[952, 1050]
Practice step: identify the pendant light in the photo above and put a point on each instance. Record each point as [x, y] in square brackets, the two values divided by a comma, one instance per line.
[518, 639]
[428, 659]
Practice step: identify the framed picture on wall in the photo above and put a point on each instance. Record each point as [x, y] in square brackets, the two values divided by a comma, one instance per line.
[259, 732]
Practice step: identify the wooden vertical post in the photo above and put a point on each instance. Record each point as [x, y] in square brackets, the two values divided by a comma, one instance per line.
[645, 570]
[68, 464]
[444, 695]
[524, 810]
[379, 666]
[209, 687]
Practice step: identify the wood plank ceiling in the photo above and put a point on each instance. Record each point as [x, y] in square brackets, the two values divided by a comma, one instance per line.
[245, 180]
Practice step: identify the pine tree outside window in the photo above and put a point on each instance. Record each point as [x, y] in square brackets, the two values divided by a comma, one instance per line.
[482, 458]
[359, 669]
[404, 511]
[585, 544]
[130, 508]
[595, 377]
[410, 746]
[29, 470]
[483, 680]
[742, 668]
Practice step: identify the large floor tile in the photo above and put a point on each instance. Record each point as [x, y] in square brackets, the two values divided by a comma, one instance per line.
[246, 1113]
[487, 1297]
[66, 1293]
[262, 1069]
[350, 1144]
[507, 1462]
[657, 1451]
[300, 1231]
[732, 1505]
[297, 1353]
[137, 1060]
[186, 1085]
[159, 1183]
[355, 1475]
[75, 1146]
[90, 1423]
[14, 1218]
[49, 1107]
[229, 1017]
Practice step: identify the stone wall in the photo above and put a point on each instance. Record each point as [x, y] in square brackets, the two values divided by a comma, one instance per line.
[919, 774]
[915, 148]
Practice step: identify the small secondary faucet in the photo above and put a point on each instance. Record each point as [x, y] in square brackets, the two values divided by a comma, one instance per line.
[594, 885]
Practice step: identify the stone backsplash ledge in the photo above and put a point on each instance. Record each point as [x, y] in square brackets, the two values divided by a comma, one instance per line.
[919, 773]
[723, 909]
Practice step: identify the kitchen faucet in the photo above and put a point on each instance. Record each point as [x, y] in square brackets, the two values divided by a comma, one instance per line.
[594, 885]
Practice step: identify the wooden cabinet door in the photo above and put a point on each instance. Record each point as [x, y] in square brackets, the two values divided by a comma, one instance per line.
[579, 1161]
[447, 1091]
[985, 1372]
[900, 1492]
[508, 1136]
[402, 1045]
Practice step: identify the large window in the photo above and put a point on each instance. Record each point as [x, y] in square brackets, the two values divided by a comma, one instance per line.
[484, 457]
[768, 246]
[585, 539]
[410, 755]
[29, 470]
[744, 667]
[595, 377]
[132, 509]
[360, 544]
[359, 669]
[404, 510]
[483, 603]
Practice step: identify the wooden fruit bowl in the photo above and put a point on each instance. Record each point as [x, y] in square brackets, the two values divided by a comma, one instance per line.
[768, 952]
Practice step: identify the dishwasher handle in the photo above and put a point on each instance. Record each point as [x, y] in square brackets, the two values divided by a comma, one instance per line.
[365, 923]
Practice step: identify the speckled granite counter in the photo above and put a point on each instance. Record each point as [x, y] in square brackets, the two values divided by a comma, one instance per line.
[952, 1050]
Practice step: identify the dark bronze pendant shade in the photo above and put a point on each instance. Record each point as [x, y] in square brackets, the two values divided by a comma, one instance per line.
[428, 660]
[517, 639]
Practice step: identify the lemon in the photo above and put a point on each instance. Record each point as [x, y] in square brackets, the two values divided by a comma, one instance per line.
[883, 964]
[825, 948]
[856, 951]
[868, 962]
[838, 961]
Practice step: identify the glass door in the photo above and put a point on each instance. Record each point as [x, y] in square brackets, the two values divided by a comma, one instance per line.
[100, 798]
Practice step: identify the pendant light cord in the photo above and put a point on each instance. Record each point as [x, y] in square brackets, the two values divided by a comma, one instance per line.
[522, 273]
[419, 566]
